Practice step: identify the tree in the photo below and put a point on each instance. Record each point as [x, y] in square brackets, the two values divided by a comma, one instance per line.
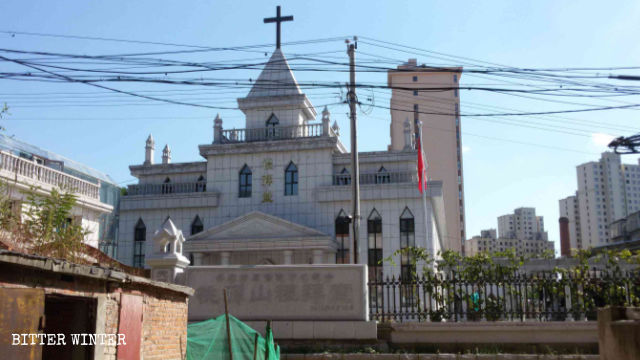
[46, 226]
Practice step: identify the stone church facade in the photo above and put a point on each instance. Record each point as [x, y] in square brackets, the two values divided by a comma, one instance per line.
[278, 191]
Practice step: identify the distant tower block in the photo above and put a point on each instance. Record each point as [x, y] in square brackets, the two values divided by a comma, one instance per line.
[441, 141]
[149, 150]
[166, 155]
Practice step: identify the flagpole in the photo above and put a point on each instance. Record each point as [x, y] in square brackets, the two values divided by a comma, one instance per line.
[424, 195]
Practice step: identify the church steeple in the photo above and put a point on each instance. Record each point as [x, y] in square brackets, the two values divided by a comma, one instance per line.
[276, 91]
[276, 79]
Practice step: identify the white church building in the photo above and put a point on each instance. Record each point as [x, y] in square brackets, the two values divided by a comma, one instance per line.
[278, 191]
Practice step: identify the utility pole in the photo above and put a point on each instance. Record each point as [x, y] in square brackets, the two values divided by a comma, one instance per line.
[355, 166]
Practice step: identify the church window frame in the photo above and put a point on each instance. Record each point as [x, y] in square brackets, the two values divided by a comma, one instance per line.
[382, 176]
[167, 187]
[245, 182]
[270, 125]
[407, 259]
[139, 241]
[344, 178]
[291, 180]
[374, 254]
[342, 237]
[201, 184]
[196, 225]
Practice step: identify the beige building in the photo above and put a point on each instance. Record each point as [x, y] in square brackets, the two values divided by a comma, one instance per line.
[24, 166]
[522, 231]
[439, 113]
[522, 224]
[531, 248]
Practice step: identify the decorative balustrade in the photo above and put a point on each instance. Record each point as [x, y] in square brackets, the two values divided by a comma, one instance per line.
[272, 133]
[41, 174]
[377, 178]
[167, 188]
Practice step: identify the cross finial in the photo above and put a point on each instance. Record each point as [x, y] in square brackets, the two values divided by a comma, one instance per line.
[278, 19]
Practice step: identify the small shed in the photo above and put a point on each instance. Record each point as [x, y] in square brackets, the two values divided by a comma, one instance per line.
[54, 309]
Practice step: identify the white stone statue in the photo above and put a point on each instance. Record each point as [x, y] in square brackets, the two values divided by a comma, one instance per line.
[166, 260]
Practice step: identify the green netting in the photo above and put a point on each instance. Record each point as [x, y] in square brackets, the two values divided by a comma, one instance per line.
[208, 340]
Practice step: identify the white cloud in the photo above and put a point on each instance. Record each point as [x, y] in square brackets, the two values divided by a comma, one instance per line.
[465, 149]
[601, 139]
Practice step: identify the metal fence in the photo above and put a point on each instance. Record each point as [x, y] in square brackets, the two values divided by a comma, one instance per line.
[541, 296]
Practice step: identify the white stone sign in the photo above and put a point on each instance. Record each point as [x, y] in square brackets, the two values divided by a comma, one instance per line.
[266, 292]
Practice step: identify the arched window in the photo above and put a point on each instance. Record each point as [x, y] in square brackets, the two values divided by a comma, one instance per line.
[344, 178]
[291, 180]
[407, 240]
[407, 260]
[374, 237]
[342, 236]
[201, 184]
[167, 248]
[271, 124]
[139, 238]
[196, 225]
[244, 190]
[374, 254]
[383, 177]
[167, 188]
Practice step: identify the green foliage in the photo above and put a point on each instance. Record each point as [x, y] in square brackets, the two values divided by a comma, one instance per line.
[46, 226]
[483, 284]
[50, 225]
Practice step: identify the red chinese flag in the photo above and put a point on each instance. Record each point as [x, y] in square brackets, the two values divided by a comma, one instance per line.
[422, 179]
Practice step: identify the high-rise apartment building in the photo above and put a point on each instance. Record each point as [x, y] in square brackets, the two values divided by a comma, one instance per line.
[522, 224]
[521, 231]
[607, 191]
[439, 113]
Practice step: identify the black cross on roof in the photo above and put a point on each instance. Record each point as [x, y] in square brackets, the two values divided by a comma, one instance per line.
[278, 19]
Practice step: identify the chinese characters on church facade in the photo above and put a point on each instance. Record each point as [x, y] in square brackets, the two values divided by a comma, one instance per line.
[267, 181]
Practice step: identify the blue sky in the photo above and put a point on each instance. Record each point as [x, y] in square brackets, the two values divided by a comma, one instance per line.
[108, 131]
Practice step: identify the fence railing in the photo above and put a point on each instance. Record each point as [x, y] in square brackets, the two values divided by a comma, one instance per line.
[544, 296]
[272, 133]
[41, 174]
[377, 178]
[167, 188]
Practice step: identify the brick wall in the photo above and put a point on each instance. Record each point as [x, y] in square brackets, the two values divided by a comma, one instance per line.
[164, 327]
[164, 324]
